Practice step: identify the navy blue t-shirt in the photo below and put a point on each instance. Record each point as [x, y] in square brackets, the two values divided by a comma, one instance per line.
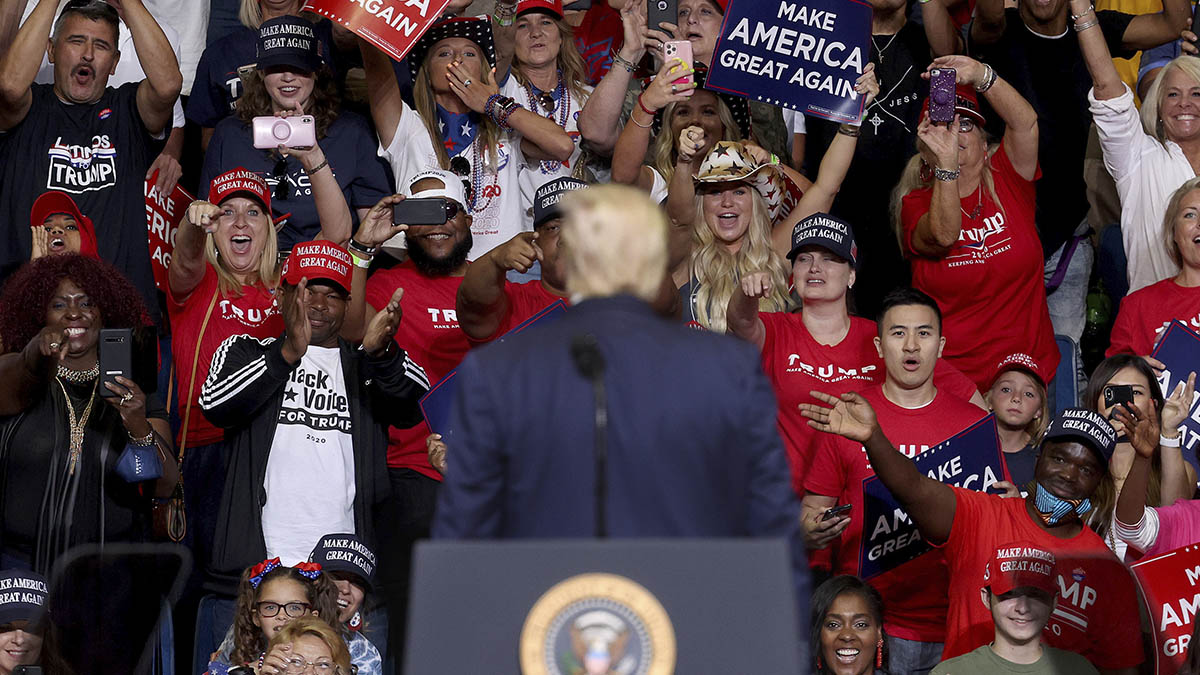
[218, 87]
[350, 147]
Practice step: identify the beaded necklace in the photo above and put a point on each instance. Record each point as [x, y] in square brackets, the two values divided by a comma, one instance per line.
[562, 107]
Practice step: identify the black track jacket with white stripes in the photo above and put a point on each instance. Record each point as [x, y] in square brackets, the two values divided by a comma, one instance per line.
[243, 394]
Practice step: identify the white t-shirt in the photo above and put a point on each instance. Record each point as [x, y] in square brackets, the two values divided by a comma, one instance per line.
[497, 210]
[535, 175]
[793, 121]
[129, 66]
[310, 472]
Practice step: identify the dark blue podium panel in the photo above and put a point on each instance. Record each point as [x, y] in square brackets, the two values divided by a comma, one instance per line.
[648, 606]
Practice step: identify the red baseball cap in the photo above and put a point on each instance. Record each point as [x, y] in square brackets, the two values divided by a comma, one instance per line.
[50, 203]
[554, 7]
[1019, 361]
[966, 103]
[319, 260]
[1021, 564]
[240, 182]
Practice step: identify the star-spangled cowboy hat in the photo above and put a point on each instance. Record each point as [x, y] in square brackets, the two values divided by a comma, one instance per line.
[477, 29]
[728, 161]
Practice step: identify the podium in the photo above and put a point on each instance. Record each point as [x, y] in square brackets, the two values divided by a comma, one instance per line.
[653, 606]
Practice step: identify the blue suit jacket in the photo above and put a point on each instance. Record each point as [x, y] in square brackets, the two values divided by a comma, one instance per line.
[693, 446]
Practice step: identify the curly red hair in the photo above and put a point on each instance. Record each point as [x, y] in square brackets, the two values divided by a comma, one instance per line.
[27, 293]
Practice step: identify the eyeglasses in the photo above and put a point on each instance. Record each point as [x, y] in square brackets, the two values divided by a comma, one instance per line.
[294, 610]
[279, 173]
[297, 665]
[966, 125]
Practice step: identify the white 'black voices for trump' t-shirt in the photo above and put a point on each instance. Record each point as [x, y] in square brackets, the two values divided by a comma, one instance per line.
[310, 472]
[98, 154]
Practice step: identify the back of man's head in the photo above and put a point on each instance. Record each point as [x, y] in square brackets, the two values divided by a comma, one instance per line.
[614, 241]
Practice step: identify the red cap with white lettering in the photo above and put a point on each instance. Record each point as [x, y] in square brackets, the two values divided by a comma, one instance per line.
[319, 260]
[1021, 564]
[1019, 361]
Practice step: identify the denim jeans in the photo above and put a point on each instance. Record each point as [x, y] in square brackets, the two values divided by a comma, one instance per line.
[1068, 302]
[909, 657]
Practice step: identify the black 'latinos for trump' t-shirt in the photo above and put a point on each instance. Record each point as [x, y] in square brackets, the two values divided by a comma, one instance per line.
[98, 154]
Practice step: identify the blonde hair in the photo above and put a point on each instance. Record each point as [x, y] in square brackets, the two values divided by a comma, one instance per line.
[1151, 123]
[574, 71]
[614, 241]
[268, 265]
[315, 627]
[718, 272]
[918, 175]
[1174, 206]
[663, 151]
[488, 133]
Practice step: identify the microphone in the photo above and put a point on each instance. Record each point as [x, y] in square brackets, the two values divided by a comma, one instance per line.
[585, 353]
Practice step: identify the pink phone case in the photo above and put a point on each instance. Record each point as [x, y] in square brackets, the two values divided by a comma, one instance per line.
[679, 49]
[294, 132]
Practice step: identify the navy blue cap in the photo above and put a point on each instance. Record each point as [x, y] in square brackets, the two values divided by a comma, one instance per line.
[22, 596]
[829, 232]
[288, 41]
[1087, 426]
[345, 552]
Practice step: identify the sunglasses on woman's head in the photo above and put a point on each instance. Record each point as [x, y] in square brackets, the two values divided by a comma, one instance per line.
[279, 173]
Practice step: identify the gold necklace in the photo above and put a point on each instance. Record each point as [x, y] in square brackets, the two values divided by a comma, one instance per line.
[77, 423]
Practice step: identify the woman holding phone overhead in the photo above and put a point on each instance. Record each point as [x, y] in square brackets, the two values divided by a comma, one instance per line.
[333, 150]
[60, 437]
[462, 123]
[964, 215]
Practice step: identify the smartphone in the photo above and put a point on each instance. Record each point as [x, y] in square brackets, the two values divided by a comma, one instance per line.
[294, 132]
[836, 511]
[1116, 394]
[682, 50]
[421, 211]
[1196, 21]
[116, 358]
[658, 11]
[941, 95]
[27, 670]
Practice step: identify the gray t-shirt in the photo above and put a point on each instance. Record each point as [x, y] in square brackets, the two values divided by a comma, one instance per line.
[984, 661]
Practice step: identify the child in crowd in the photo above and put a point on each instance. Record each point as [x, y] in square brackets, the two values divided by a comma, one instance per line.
[1021, 591]
[269, 596]
[1018, 398]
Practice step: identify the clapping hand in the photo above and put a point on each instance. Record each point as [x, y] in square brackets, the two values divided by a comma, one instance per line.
[383, 326]
[299, 330]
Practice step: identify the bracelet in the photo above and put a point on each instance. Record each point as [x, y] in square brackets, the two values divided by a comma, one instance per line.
[356, 247]
[1089, 10]
[847, 130]
[633, 118]
[629, 66]
[774, 159]
[317, 168]
[1090, 24]
[989, 78]
[360, 261]
[1170, 442]
[945, 174]
[505, 14]
[643, 106]
[145, 441]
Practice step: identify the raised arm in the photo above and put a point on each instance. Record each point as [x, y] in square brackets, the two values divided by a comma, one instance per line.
[600, 119]
[1178, 477]
[741, 316]
[156, 95]
[1020, 119]
[630, 151]
[929, 503]
[373, 230]
[505, 38]
[989, 23]
[944, 38]
[10, 21]
[939, 228]
[482, 303]
[383, 91]
[187, 262]
[1106, 83]
[1147, 31]
[332, 210]
[21, 61]
[681, 193]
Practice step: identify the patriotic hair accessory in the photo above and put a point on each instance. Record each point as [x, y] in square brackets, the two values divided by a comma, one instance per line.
[261, 570]
[309, 570]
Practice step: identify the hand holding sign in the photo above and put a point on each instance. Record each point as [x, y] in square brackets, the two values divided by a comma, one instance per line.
[849, 416]
[867, 84]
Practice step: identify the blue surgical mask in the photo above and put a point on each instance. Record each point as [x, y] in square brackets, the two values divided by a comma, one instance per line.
[1054, 508]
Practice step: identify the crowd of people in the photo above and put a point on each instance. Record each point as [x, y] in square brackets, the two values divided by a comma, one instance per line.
[320, 284]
